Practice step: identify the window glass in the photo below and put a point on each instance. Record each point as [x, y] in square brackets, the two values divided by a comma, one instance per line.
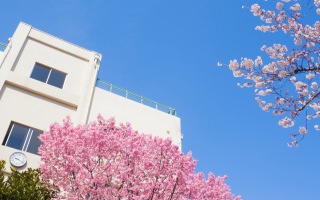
[56, 78]
[23, 138]
[48, 75]
[34, 142]
[40, 73]
[17, 136]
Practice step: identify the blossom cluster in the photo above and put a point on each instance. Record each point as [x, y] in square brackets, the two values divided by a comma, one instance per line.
[103, 161]
[287, 84]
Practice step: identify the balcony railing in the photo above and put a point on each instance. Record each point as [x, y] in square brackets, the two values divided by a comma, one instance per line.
[136, 97]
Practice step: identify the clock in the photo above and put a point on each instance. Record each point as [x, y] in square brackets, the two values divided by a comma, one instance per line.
[18, 159]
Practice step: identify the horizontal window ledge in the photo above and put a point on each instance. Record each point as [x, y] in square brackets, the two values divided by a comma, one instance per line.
[42, 89]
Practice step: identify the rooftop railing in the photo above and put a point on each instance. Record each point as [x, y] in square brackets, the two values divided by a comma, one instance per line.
[2, 46]
[135, 97]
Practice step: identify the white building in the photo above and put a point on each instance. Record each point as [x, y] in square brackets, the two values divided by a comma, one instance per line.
[43, 79]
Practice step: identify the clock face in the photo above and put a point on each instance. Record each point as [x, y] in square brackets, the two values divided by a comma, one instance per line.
[18, 159]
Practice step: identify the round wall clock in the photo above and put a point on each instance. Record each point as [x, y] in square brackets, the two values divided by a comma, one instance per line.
[18, 159]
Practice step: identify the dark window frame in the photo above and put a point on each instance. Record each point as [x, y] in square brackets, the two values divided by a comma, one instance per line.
[28, 138]
[52, 76]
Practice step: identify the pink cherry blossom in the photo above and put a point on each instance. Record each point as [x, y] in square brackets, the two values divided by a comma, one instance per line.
[255, 9]
[103, 161]
[258, 61]
[286, 81]
[303, 130]
[295, 7]
[233, 65]
[279, 6]
[314, 85]
[310, 76]
[286, 122]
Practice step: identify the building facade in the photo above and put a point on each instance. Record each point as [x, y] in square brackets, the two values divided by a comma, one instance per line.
[43, 79]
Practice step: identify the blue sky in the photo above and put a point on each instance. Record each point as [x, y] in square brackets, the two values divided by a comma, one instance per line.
[167, 51]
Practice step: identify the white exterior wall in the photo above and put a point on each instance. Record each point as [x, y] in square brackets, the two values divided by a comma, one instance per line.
[141, 117]
[36, 104]
[28, 109]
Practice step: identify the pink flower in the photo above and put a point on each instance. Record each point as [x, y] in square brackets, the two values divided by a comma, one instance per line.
[248, 63]
[310, 44]
[237, 73]
[310, 76]
[104, 161]
[263, 28]
[295, 7]
[258, 61]
[262, 93]
[233, 65]
[279, 6]
[263, 48]
[255, 9]
[282, 74]
[297, 41]
[286, 122]
[300, 85]
[259, 84]
[267, 107]
[293, 79]
[304, 92]
[282, 65]
[317, 24]
[314, 85]
[314, 106]
[281, 16]
[281, 100]
[303, 130]
[269, 20]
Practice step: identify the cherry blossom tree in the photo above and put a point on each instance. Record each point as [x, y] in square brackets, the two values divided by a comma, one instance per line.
[103, 161]
[288, 82]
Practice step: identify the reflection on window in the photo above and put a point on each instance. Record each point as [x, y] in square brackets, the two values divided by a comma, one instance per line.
[48, 75]
[23, 138]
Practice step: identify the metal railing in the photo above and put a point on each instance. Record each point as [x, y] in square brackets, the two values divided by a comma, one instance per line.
[136, 97]
[2, 46]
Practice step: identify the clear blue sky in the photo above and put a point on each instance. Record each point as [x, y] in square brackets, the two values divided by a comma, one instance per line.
[167, 50]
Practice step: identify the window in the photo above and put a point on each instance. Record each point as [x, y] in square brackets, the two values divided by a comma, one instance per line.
[48, 75]
[23, 138]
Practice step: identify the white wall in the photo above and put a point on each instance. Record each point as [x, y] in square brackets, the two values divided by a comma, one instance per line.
[29, 109]
[142, 118]
[36, 104]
